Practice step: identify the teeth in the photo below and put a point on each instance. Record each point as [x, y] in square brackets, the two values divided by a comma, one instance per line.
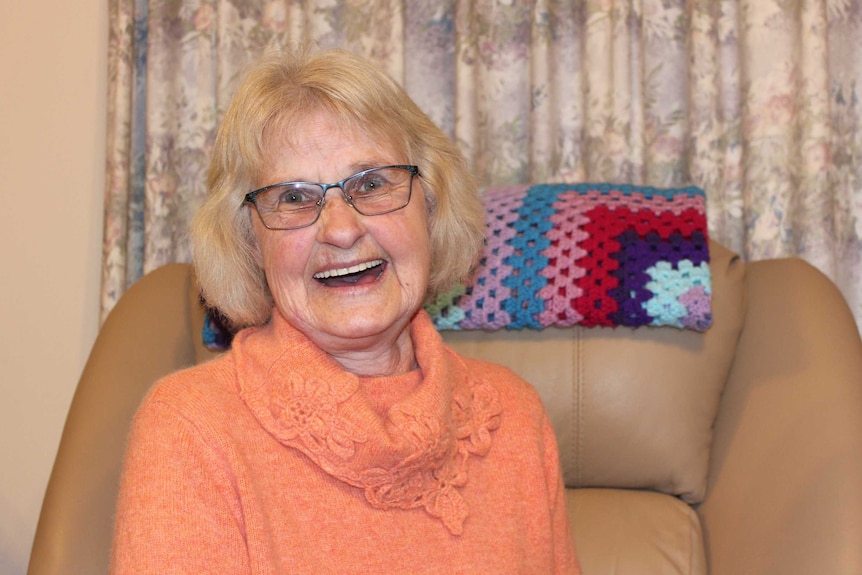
[347, 271]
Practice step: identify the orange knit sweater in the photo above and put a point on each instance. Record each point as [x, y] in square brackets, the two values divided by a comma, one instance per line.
[273, 459]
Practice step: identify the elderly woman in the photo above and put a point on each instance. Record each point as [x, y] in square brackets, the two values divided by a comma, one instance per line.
[339, 434]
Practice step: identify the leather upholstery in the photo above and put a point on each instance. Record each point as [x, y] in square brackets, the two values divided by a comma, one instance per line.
[737, 450]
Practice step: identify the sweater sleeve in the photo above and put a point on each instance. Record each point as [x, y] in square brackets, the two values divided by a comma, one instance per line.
[177, 510]
[564, 553]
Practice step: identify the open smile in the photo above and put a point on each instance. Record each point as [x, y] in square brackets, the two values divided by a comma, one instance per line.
[359, 274]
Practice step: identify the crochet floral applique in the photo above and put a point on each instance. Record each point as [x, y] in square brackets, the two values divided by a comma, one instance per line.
[484, 405]
[429, 477]
[307, 411]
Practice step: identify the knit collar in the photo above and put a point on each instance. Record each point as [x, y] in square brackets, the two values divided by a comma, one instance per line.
[414, 455]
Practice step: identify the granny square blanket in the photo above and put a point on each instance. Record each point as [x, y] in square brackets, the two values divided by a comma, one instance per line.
[587, 254]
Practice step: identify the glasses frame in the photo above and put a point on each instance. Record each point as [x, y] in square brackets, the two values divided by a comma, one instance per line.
[251, 197]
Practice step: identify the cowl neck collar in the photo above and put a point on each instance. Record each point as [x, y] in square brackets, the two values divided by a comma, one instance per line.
[414, 455]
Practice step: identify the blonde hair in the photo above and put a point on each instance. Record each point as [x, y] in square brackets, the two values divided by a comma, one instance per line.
[284, 87]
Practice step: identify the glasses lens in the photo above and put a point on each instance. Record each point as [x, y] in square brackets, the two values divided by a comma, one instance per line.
[380, 190]
[290, 205]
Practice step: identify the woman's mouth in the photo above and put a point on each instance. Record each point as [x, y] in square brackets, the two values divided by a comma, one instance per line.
[359, 274]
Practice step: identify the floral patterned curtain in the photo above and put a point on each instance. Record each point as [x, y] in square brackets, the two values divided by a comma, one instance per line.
[756, 101]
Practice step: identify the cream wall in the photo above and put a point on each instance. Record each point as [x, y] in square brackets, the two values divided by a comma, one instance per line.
[52, 142]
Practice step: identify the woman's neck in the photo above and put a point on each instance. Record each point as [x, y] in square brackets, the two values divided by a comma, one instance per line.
[374, 357]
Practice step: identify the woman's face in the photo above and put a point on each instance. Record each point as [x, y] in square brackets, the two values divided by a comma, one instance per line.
[345, 312]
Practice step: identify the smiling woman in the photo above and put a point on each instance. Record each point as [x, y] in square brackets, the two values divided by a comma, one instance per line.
[339, 434]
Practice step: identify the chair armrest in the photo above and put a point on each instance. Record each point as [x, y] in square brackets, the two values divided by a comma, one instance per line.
[147, 335]
[785, 486]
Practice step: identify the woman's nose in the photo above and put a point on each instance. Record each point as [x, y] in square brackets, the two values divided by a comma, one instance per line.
[339, 223]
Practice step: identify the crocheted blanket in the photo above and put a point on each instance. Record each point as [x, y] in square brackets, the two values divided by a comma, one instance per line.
[579, 254]
[587, 254]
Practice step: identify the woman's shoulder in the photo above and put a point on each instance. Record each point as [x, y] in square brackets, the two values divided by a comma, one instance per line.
[207, 388]
[523, 417]
[511, 386]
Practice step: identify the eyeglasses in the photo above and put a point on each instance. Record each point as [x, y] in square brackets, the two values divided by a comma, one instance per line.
[373, 192]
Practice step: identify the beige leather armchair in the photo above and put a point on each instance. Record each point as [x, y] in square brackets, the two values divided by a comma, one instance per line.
[734, 451]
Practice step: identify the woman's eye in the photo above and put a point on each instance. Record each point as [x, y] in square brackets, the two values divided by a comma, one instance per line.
[296, 198]
[371, 185]
[290, 198]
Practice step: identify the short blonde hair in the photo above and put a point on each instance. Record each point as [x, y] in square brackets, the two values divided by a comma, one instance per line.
[287, 86]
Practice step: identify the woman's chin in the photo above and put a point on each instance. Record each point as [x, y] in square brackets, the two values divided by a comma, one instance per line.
[364, 326]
